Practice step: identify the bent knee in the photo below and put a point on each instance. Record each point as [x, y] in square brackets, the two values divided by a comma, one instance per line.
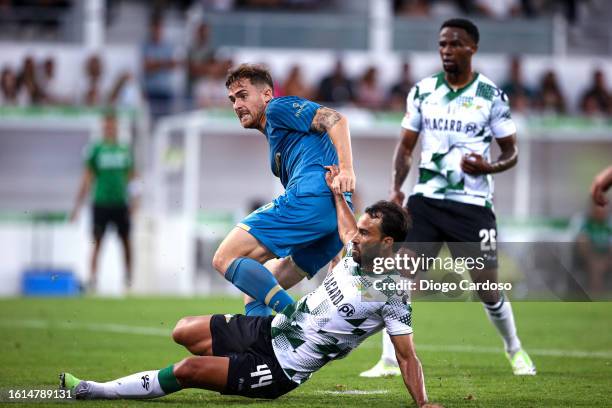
[189, 330]
[180, 333]
[221, 261]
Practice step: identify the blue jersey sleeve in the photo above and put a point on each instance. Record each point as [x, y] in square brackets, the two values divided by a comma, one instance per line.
[291, 112]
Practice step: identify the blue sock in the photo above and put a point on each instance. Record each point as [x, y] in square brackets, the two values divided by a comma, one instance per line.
[256, 308]
[257, 281]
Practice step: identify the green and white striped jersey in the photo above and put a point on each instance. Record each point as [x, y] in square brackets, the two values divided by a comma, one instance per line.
[453, 123]
[331, 321]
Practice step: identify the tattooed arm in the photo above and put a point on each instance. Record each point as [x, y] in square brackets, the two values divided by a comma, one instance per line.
[336, 126]
[402, 158]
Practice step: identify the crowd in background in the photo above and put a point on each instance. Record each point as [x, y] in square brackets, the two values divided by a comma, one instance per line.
[55, 19]
[35, 83]
[489, 8]
[494, 9]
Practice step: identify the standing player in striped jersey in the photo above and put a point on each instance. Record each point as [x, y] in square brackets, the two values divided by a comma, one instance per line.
[300, 226]
[457, 112]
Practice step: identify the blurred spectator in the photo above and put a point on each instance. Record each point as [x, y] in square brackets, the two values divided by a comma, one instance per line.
[294, 84]
[29, 81]
[570, 10]
[200, 58]
[124, 92]
[448, 8]
[370, 94]
[415, 8]
[593, 245]
[158, 66]
[11, 94]
[521, 96]
[210, 91]
[399, 91]
[99, 92]
[258, 4]
[499, 9]
[51, 89]
[93, 94]
[589, 106]
[596, 100]
[550, 98]
[280, 4]
[336, 88]
[217, 5]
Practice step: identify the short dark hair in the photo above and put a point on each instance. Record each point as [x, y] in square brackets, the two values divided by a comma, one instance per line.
[257, 74]
[394, 220]
[464, 24]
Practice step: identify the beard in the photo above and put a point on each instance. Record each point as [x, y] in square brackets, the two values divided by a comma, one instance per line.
[254, 119]
[366, 255]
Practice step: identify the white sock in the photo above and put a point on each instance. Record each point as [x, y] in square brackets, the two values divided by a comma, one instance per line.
[136, 386]
[502, 318]
[388, 351]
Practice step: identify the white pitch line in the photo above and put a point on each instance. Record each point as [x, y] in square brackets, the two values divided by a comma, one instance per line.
[157, 331]
[354, 392]
[93, 327]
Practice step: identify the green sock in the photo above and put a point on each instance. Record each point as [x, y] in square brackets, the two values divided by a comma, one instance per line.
[168, 381]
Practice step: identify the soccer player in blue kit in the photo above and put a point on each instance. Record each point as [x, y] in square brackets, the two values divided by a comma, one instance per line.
[300, 226]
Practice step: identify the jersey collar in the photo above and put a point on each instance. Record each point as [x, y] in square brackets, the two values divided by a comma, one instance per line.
[452, 94]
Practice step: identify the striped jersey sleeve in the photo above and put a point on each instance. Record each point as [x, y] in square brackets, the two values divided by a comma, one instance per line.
[397, 316]
[501, 122]
[412, 117]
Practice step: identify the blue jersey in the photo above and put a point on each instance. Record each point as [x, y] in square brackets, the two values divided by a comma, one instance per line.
[295, 149]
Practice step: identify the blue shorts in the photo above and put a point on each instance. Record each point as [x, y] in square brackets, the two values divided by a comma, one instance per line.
[300, 223]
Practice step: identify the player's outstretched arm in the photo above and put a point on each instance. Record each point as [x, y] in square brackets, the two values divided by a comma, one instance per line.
[411, 369]
[336, 126]
[601, 184]
[402, 159]
[347, 225]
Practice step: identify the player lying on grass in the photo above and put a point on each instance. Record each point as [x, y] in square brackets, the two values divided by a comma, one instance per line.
[265, 356]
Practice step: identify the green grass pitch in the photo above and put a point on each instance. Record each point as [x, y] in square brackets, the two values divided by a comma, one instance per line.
[102, 339]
